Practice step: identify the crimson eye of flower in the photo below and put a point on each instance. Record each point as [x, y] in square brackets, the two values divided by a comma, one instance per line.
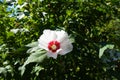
[53, 46]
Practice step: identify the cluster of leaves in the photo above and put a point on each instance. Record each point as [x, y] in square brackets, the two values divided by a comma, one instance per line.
[92, 24]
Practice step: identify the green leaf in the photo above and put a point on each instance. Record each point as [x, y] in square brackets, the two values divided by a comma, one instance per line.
[19, 1]
[38, 56]
[69, 12]
[101, 51]
[33, 44]
[33, 49]
[35, 57]
[9, 34]
[37, 69]
[3, 70]
[71, 37]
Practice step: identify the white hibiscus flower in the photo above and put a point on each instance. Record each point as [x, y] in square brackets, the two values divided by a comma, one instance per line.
[55, 42]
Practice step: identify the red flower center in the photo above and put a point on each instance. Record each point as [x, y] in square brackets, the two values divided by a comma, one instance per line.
[53, 46]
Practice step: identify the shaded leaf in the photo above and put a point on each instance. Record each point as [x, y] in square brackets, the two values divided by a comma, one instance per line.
[72, 40]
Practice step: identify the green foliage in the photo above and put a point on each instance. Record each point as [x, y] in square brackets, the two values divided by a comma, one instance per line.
[34, 57]
[91, 25]
[37, 55]
[101, 51]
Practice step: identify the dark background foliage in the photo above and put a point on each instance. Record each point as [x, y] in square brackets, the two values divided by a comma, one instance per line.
[91, 23]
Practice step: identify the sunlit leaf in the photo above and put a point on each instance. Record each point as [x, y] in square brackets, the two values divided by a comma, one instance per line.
[72, 40]
[34, 57]
[3, 70]
[33, 44]
[37, 69]
[101, 51]
[33, 49]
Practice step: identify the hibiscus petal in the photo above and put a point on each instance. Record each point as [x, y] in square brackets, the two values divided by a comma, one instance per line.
[45, 38]
[66, 47]
[53, 35]
[42, 44]
[61, 36]
[50, 54]
[54, 55]
[49, 34]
